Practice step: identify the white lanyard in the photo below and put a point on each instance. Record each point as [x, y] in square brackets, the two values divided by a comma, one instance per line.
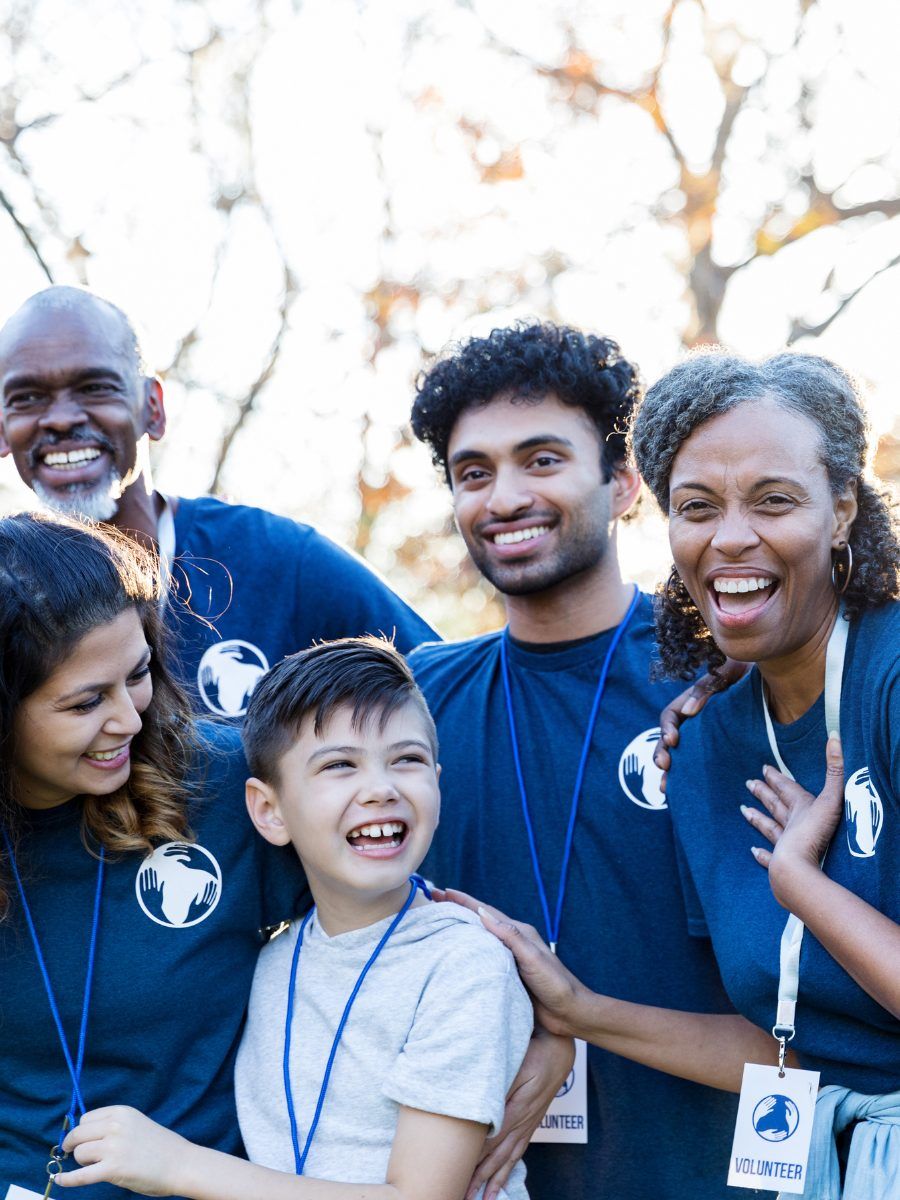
[792, 938]
[165, 541]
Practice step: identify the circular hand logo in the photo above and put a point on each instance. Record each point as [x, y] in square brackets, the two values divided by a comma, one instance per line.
[567, 1086]
[227, 675]
[863, 814]
[639, 776]
[776, 1118]
[178, 885]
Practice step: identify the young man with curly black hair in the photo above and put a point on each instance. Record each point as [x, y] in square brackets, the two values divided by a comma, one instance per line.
[553, 808]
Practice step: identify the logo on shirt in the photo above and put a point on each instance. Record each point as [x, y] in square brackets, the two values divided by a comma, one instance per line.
[776, 1118]
[178, 885]
[638, 774]
[863, 814]
[227, 675]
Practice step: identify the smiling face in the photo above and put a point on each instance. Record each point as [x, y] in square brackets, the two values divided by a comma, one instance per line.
[529, 495]
[72, 736]
[359, 804]
[752, 524]
[73, 407]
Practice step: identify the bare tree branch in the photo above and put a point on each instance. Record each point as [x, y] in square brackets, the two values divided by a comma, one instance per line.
[290, 285]
[247, 405]
[84, 97]
[26, 234]
[734, 102]
[800, 329]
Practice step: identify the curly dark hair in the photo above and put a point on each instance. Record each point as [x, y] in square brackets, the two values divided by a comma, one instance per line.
[711, 383]
[528, 361]
[60, 579]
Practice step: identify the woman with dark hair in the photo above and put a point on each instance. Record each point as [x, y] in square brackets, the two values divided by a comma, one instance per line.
[132, 887]
[786, 557]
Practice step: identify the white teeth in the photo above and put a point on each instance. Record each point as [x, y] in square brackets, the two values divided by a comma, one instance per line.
[388, 829]
[105, 755]
[71, 458]
[742, 585]
[520, 535]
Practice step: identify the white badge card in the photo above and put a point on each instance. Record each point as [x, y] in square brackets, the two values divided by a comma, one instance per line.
[17, 1193]
[773, 1130]
[566, 1118]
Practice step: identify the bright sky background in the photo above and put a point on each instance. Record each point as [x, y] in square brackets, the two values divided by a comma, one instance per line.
[424, 143]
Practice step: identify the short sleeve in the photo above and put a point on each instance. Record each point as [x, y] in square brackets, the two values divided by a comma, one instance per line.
[469, 1035]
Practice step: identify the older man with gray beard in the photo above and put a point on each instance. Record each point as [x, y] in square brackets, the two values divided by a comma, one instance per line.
[78, 409]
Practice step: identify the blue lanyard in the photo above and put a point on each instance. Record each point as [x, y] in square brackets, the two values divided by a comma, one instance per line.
[415, 881]
[77, 1101]
[552, 927]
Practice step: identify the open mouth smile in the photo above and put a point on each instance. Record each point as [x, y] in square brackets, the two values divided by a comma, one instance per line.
[73, 458]
[520, 535]
[109, 760]
[512, 542]
[378, 839]
[63, 460]
[739, 599]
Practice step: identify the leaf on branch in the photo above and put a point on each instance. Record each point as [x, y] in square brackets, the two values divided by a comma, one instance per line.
[508, 166]
[386, 296]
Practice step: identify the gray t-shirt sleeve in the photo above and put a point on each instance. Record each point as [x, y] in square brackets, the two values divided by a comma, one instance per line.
[471, 1029]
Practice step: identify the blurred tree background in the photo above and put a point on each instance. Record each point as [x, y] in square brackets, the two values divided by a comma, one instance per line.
[301, 201]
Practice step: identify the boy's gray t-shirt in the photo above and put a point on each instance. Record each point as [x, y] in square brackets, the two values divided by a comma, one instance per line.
[441, 1023]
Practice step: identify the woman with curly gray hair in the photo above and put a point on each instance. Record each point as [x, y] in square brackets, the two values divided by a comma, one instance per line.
[786, 557]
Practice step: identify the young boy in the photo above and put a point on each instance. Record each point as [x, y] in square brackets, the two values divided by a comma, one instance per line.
[384, 1030]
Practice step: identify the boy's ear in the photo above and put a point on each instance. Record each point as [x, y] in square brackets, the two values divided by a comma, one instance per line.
[265, 811]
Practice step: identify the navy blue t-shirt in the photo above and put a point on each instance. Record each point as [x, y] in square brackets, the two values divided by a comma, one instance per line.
[841, 1031]
[177, 946]
[251, 587]
[624, 930]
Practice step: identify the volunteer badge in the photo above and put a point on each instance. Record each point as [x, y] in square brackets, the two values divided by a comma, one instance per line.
[566, 1118]
[773, 1130]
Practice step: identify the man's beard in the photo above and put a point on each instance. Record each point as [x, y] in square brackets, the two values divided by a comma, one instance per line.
[583, 550]
[97, 503]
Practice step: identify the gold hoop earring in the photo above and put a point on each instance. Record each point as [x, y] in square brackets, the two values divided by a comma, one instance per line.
[842, 570]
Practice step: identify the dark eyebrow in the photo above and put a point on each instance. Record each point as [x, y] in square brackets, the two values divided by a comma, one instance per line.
[466, 456]
[79, 375]
[102, 687]
[320, 753]
[760, 483]
[539, 439]
[695, 487]
[410, 742]
[542, 439]
[770, 479]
